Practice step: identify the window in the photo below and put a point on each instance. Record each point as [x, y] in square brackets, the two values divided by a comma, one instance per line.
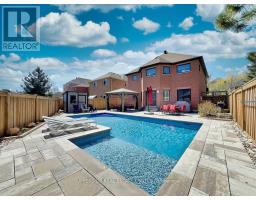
[166, 70]
[184, 68]
[184, 95]
[105, 82]
[134, 77]
[72, 98]
[95, 84]
[166, 95]
[151, 71]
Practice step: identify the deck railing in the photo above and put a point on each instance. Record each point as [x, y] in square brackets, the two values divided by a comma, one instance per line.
[243, 107]
[18, 110]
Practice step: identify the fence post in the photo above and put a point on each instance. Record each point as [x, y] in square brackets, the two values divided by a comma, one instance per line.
[243, 109]
[48, 106]
[8, 112]
[36, 109]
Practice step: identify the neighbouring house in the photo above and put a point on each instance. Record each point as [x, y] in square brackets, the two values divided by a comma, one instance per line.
[173, 77]
[76, 94]
[106, 83]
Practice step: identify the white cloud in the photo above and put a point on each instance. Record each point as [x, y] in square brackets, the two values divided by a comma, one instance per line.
[61, 72]
[124, 40]
[210, 44]
[169, 25]
[11, 76]
[208, 12]
[103, 53]
[232, 70]
[47, 63]
[11, 58]
[146, 25]
[187, 23]
[120, 18]
[65, 30]
[76, 9]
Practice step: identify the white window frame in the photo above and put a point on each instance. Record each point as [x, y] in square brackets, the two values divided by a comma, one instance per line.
[183, 71]
[165, 66]
[149, 69]
[135, 75]
[105, 82]
[165, 97]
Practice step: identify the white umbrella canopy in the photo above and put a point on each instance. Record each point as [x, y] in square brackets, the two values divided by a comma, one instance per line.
[122, 92]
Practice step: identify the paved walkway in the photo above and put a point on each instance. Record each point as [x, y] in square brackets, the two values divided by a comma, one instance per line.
[215, 163]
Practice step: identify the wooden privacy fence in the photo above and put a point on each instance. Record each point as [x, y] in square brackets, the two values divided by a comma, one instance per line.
[243, 107]
[18, 110]
[101, 103]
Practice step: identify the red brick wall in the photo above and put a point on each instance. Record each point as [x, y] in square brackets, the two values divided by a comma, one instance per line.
[72, 87]
[101, 89]
[194, 80]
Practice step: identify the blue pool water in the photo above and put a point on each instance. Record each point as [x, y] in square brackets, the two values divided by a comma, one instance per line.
[143, 150]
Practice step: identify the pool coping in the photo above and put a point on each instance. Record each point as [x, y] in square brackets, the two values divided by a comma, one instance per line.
[184, 170]
[98, 170]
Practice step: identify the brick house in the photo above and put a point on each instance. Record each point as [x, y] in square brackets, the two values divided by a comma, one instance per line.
[77, 85]
[105, 83]
[173, 77]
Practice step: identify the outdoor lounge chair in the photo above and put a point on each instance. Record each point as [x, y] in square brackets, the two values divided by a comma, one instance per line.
[84, 108]
[60, 126]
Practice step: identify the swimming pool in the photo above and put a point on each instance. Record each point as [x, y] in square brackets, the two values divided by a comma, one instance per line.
[144, 150]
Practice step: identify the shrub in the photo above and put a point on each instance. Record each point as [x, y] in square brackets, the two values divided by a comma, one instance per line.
[207, 108]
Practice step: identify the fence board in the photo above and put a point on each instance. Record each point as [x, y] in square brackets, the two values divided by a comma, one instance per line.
[18, 110]
[243, 107]
[101, 104]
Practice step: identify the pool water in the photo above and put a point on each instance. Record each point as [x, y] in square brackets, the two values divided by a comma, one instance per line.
[143, 150]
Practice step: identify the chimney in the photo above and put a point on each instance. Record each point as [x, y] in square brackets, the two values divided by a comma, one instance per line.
[165, 52]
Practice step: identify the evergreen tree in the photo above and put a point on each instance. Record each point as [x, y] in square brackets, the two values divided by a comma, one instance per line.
[36, 82]
[252, 66]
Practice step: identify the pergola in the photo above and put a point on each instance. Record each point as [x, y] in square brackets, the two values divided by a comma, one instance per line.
[122, 92]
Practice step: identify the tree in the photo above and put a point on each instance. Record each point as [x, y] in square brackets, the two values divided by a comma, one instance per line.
[36, 82]
[239, 17]
[252, 66]
[236, 17]
[229, 82]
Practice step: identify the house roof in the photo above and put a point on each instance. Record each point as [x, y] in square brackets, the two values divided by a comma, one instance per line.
[122, 90]
[80, 81]
[111, 75]
[170, 58]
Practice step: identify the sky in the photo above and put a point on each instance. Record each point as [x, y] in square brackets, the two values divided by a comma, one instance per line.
[90, 40]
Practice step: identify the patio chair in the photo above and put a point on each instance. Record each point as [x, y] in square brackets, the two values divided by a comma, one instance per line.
[84, 108]
[60, 126]
[183, 108]
[172, 109]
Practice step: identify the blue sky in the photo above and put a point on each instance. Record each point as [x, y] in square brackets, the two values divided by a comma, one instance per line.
[88, 41]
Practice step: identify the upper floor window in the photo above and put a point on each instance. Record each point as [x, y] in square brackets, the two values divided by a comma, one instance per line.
[166, 70]
[184, 68]
[151, 71]
[95, 84]
[134, 77]
[105, 82]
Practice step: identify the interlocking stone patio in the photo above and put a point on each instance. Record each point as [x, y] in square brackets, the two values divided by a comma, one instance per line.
[215, 163]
